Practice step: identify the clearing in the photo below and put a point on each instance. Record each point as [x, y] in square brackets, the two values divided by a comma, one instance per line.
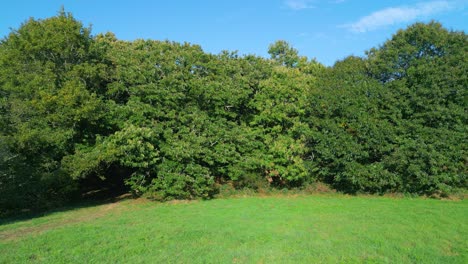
[302, 229]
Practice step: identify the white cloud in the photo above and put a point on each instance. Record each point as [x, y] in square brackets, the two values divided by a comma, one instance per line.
[299, 4]
[395, 15]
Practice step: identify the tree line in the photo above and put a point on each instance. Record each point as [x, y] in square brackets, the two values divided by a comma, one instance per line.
[170, 121]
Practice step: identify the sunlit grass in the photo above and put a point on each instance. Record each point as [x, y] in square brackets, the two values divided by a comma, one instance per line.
[303, 229]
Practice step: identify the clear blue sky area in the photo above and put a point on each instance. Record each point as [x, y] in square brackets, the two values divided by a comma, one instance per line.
[327, 30]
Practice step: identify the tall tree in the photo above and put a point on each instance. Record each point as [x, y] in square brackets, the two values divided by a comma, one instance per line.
[50, 79]
[284, 54]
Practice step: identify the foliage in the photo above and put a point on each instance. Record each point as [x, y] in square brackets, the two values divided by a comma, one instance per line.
[171, 121]
[49, 78]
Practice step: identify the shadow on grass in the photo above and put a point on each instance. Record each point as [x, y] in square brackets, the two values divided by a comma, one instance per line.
[85, 202]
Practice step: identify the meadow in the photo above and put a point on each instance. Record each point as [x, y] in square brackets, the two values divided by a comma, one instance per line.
[329, 228]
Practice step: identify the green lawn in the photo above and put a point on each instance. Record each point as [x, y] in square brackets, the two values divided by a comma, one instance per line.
[303, 229]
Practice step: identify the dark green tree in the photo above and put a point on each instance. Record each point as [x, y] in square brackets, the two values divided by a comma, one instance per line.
[50, 83]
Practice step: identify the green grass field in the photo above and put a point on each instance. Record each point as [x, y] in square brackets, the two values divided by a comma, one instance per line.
[303, 229]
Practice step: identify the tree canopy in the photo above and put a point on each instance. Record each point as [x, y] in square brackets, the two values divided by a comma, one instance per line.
[170, 121]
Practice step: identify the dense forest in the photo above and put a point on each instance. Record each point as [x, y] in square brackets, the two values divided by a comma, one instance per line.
[166, 120]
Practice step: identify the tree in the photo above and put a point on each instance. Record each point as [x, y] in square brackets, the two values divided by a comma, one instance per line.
[284, 54]
[424, 68]
[50, 79]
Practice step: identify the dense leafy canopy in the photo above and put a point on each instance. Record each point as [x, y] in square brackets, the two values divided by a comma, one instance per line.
[171, 121]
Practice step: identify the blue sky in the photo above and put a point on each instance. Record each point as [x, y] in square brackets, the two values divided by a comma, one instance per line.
[327, 30]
